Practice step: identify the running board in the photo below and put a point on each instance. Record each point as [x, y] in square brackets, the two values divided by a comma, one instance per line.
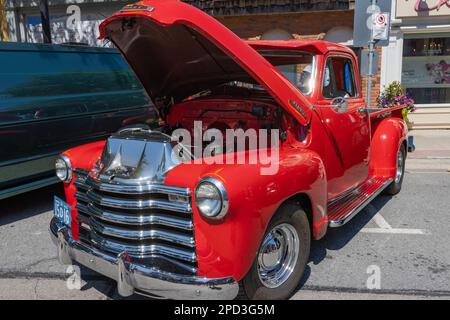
[343, 209]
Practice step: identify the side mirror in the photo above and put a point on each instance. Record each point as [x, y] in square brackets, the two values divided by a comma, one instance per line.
[339, 105]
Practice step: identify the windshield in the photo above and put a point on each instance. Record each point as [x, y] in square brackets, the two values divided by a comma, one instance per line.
[296, 66]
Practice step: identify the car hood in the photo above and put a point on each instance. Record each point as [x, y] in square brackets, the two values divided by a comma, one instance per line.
[177, 50]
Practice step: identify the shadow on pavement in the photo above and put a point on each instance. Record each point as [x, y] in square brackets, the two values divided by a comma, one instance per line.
[337, 238]
[28, 204]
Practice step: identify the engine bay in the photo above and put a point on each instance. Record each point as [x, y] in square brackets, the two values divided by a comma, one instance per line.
[225, 114]
[261, 119]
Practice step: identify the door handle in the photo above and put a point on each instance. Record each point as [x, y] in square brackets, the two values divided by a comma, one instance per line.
[362, 111]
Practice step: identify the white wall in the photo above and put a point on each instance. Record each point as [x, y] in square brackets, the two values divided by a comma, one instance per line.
[391, 59]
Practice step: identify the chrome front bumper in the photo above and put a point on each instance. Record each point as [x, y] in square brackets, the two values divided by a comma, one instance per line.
[131, 276]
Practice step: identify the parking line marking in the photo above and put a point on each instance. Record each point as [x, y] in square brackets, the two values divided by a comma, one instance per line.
[385, 227]
[395, 231]
[381, 222]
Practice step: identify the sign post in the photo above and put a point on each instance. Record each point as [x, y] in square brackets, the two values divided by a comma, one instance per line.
[372, 24]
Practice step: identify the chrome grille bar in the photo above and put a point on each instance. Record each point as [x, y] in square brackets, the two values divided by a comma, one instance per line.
[140, 220]
[81, 196]
[143, 251]
[153, 234]
[143, 220]
[138, 204]
[137, 189]
[82, 207]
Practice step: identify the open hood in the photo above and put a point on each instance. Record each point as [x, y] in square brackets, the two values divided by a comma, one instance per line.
[177, 50]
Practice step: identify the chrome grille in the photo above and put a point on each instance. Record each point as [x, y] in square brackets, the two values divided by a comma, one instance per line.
[151, 222]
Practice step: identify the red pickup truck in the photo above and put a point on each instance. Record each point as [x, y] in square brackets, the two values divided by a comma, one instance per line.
[205, 225]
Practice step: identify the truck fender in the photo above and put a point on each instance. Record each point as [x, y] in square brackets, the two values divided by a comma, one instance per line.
[228, 247]
[387, 137]
[81, 157]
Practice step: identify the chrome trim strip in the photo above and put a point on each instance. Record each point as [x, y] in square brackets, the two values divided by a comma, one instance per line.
[140, 220]
[344, 194]
[138, 204]
[13, 191]
[352, 213]
[153, 234]
[134, 276]
[143, 251]
[138, 189]
[28, 159]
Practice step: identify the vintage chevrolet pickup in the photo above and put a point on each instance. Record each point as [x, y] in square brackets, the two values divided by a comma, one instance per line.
[188, 227]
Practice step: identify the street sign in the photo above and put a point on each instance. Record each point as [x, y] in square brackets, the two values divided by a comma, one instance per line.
[380, 28]
[364, 19]
[364, 63]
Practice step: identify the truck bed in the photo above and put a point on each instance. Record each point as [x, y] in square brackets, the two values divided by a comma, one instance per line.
[376, 113]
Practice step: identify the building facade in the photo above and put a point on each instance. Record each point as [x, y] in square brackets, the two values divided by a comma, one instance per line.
[71, 21]
[76, 21]
[418, 55]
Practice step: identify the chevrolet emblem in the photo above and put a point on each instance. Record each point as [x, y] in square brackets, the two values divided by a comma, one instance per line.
[133, 7]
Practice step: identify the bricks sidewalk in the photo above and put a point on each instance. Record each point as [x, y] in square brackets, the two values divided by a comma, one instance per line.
[432, 151]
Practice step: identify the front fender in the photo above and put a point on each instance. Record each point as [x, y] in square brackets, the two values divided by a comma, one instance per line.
[82, 157]
[387, 137]
[228, 247]
[85, 156]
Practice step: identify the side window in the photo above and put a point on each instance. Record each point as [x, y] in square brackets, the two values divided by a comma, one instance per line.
[339, 78]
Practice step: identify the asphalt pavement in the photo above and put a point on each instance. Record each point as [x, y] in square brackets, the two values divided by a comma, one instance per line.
[396, 248]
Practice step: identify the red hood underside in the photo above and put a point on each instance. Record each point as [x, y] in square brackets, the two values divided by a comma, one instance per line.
[177, 50]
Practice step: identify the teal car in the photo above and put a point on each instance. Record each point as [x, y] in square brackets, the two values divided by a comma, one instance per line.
[53, 97]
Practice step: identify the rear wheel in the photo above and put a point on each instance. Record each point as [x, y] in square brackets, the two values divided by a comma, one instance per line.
[396, 185]
[282, 256]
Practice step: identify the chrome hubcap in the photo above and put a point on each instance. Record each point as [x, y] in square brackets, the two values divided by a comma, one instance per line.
[278, 255]
[399, 173]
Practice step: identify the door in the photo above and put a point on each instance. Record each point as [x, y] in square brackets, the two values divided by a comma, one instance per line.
[347, 149]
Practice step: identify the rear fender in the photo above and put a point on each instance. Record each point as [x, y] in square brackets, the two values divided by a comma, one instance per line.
[387, 137]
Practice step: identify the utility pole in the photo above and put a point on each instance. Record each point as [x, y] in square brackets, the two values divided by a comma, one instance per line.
[4, 36]
[45, 19]
[370, 74]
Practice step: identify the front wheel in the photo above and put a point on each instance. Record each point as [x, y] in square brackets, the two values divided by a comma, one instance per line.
[281, 260]
[396, 185]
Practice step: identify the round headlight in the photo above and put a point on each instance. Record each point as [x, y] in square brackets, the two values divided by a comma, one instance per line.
[211, 198]
[63, 169]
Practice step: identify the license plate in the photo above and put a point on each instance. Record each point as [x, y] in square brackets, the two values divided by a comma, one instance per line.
[62, 211]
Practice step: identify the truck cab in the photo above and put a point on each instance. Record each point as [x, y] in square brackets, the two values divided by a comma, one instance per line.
[261, 147]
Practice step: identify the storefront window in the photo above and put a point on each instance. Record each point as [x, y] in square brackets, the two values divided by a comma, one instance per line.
[426, 68]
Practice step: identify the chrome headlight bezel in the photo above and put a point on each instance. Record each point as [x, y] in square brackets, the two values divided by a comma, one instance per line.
[222, 210]
[62, 159]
